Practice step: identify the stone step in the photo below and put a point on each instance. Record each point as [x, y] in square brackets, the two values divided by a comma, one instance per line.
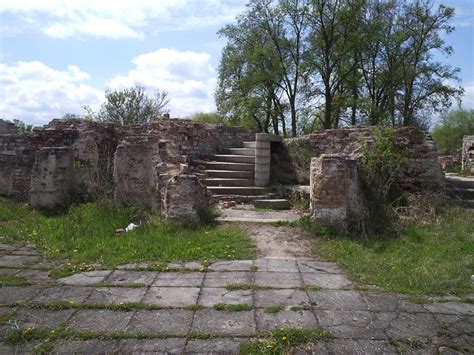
[459, 181]
[238, 198]
[219, 165]
[275, 204]
[235, 158]
[242, 151]
[229, 174]
[467, 203]
[252, 145]
[228, 182]
[238, 190]
[463, 194]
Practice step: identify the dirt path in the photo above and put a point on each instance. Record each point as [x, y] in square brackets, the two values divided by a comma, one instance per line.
[272, 241]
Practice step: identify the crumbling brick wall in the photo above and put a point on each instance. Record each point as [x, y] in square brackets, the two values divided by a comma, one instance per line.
[468, 154]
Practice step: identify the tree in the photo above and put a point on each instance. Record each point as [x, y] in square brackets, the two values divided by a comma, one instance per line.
[22, 126]
[452, 127]
[132, 105]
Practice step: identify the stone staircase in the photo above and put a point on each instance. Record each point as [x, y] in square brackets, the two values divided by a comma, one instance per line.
[461, 189]
[232, 175]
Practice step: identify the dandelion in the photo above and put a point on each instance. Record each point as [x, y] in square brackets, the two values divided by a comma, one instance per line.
[284, 338]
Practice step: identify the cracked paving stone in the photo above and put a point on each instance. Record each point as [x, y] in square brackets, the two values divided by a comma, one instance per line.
[76, 294]
[311, 265]
[215, 346]
[287, 319]
[34, 276]
[222, 279]
[168, 321]
[454, 324]
[179, 279]
[324, 280]
[124, 277]
[140, 265]
[225, 323]
[234, 265]
[6, 271]
[95, 346]
[349, 346]
[116, 295]
[171, 296]
[188, 265]
[276, 265]
[150, 346]
[337, 299]
[17, 260]
[278, 279]
[6, 247]
[211, 296]
[34, 317]
[86, 278]
[18, 294]
[18, 349]
[422, 325]
[102, 320]
[285, 298]
[25, 251]
[354, 324]
[451, 308]
[381, 301]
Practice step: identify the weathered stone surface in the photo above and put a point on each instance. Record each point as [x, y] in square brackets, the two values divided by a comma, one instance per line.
[150, 346]
[335, 190]
[86, 347]
[167, 321]
[468, 154]
[184, 199]
[233, 265]
[278, 279]
[285, 298]
[75, 294]
[349, 346]
[421, 325]
[276, 265]
[17, 260]
[102, 320]
[323, 280]
[287, 319]
[222, 279]
[33, 317]
[215, 346]
[225, 323]
[211, 296]
[123, 277]
[337, 300]
[17, 294]
[451, 308]
[7, 127]
[179, 279]
[116, 295]
[172, 296]
[85, 278]
[311, 265]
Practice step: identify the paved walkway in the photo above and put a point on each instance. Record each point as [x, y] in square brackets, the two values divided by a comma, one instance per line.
[175, 310]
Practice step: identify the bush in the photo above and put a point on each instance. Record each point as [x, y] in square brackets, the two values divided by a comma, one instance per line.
[451, 129]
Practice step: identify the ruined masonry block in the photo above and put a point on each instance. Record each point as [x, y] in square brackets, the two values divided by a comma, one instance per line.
[468, 154]
[51, 179]
[335, 192]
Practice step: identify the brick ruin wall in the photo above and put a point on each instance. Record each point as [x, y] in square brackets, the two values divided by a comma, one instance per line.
[421, 172]
[468, 154]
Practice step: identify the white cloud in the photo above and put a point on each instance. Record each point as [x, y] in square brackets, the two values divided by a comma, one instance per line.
[120, 18]
[36, 93]
[468, 98]
[187, 76]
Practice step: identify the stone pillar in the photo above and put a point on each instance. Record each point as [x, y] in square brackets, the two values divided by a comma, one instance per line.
[136, 174]
[468, 154]
[184, 199]
[335, 191]
[51, 178]
[263, 157]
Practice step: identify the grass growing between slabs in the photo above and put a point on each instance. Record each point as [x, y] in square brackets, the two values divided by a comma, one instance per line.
[86, 234]
[434, 258]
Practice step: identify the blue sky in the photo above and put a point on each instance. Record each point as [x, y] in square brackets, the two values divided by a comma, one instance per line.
[56, 55]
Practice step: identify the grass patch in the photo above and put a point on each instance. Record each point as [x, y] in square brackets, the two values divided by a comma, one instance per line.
[285, 340]
[435, 258]
[10, 280]
[233, 307]
[195, 307]
[85, 234]
[297, 308]
[235, 287]
[123, 307]
[274, 309]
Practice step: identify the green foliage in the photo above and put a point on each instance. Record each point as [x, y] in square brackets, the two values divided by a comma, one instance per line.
[22, 126]
[86, 234]
[452, 127]
[210, 117]
[128, 106]
[274, 309]
[10, 280]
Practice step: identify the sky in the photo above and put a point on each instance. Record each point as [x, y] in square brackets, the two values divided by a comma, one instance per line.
[58, 55]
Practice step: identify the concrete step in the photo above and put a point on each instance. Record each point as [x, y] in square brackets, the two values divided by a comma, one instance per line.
[252, 145]
[219, 165]
[228, 182]
[235, 158]
[275, 204]
[237, 190]
[229, 174]
[463, 194]
[242, 151]
[460, 182]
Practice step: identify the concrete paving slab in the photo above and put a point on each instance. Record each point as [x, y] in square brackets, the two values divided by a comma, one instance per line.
[179, 279]
[76, 294]
[152, 346]
[187, 265]
[34, 276]
[18, 294]
[278, 279]
[325, 280]
[124, 277]
[276, 265]
[222, 279]
[86, 278]
[285, 298]
[350, 346]
[421, 325]
[232, 265]
[451, 308]
[215, 346]
[7, 247]
[139, 265]
[100, 320]
[25, 251]
[311, 265]
[225, 323]
[28, 348]
[171, 296]
[167, 321]
[211, 296]
[7, 271]
[287, 319]
[18, 260]
[34, 317]
[116, 295]
[95, 346]
[337, 300]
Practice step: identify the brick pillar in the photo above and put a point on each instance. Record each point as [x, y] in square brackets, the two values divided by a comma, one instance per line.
[468, 154]
[263, 157]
